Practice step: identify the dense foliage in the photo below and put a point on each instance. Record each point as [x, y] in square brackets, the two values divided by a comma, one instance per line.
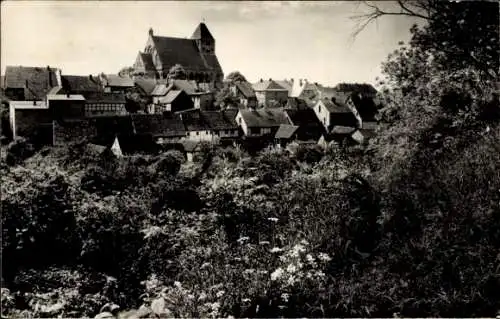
[408, 226]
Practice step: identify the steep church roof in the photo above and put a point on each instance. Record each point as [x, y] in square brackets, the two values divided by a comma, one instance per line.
[202, 32]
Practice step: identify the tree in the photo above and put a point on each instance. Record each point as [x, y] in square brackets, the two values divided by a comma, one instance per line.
[177, 72]
[236, 76]
[126, 71]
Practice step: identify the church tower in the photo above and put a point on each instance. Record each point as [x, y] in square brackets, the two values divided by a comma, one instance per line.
[204, 39]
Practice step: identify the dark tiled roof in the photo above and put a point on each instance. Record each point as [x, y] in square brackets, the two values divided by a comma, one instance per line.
[158, 125]
[296, 103]
[230, 114]
[303, 117]
[189, 87]
[264, 117]
[184, 52]
[245, 89]
[193, 121]
[285, 131]
[217, 121]
[170, 97]
[286, 84]
[202, 32]
[268, 86]
[160, 89]
[146, 85]
[38, 80]
[336, 107]
[147, 60]
[105, 98]
[119, 81]
[81, 84]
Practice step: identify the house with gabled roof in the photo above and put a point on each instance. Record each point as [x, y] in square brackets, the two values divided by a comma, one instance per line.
[261, 122]
[23, 83]
[197, 128]
[84, 85]
[105, 104]
[335, 111]
[270, 93]
[196, 55]
[222, 125]
[309, 126]
[244, 92]
[113, 83]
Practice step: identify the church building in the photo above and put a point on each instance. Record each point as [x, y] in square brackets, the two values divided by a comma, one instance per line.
[196, 55]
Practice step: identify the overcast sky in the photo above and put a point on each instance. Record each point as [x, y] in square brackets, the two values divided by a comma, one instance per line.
[260, 39]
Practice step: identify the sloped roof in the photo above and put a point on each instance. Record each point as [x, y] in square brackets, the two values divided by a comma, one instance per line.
[160, 90]
[245, 89]
[296, 103]
[194, 121]
[189, 87]
[303, 117]
[268, 86]
[158, 125]
[340, 130]
[81, 84]
[147, 85]
[119, 81]
[147, 60]
[264, 117]
[217, 121]
[170, 97]
[54, 90]
[38, 80]
[286, 84]
[184, 52]
[336, 107]
[231, 113]
[106, 98]
[202, 32]
[286, 131]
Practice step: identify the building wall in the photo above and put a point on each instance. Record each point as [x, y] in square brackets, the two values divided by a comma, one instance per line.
[264, 98]
[204, 135]
[104, 109]
[322, 114]
[29, 122]
[72, 131]
[241, 123]
[67, 109]
[233, 133]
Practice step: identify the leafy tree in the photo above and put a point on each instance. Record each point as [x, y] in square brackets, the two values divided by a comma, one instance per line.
[177, 72]
[126, 71]
[236, 76]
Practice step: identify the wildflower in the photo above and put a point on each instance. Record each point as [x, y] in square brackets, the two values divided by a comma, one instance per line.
[324, 257]
[291, 280]
[273, 219]
[215, 306]
[220, 293]
[276, 250]
[264, 242]
[177, 284]
[246, 300]
[277, 274]
[291, 268]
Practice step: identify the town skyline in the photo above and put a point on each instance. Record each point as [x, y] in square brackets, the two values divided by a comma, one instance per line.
[258, 39]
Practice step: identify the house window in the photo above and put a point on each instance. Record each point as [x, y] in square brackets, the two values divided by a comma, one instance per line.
[319, 108]
[197, 133]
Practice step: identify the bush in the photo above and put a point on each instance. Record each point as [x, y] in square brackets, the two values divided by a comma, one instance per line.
[309, 154]
[19, 150]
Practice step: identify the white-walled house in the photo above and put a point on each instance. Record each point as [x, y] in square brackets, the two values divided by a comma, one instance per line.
[261, 122]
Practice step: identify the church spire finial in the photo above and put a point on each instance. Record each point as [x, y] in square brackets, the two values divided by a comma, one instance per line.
[150, 32]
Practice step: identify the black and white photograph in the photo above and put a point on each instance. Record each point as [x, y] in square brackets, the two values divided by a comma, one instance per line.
[250, 159]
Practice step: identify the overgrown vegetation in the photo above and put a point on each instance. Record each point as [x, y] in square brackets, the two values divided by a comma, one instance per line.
[409, 226]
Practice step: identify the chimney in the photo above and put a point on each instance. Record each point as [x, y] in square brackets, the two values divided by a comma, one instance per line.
[50, 76]
[270, 79]
[261, 80]
[300, 82]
